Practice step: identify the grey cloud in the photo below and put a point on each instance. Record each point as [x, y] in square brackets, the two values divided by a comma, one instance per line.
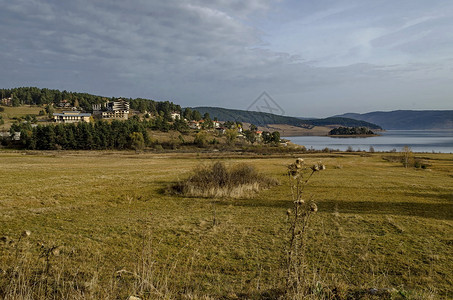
[196, 52]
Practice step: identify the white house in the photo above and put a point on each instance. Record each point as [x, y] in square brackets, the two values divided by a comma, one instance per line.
[120, 105]
[115, 114]
[175, 115]
[194, 125]
[7, 101]
[71, 117]
[64, 103]
[112, 110]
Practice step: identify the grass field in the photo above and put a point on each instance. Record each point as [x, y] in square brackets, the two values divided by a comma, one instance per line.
[21, 111]
[102, 227]
[17, 112]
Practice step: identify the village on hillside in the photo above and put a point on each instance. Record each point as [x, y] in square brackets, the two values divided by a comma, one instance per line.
[66, 112]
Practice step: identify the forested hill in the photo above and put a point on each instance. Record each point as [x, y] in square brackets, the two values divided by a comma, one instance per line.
[38, 96]
[408, 119]
[261, 119]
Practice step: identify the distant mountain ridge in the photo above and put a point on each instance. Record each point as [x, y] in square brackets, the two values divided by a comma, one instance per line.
[263, 119]
[407, 119]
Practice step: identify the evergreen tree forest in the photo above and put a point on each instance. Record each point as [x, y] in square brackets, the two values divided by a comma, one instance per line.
[37, 96]
[100, 135]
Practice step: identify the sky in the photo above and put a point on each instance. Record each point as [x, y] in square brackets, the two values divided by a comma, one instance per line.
[312, 58]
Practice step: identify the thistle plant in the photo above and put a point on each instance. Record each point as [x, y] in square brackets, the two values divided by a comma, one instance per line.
[299, 216]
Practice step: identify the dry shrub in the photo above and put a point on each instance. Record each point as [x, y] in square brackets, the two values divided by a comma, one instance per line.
[218, 181]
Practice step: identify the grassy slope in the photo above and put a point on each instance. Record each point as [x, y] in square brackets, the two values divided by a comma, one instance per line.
[379, 225]
[20, 111]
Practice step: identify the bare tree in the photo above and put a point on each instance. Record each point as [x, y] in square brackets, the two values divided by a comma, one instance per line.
[407, 156]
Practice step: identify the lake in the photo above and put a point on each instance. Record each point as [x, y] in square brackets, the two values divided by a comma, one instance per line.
[418, 140]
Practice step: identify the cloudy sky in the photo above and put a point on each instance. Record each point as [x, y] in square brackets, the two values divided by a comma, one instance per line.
[315, 58]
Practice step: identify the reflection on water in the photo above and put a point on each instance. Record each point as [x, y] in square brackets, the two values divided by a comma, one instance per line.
[418, 140]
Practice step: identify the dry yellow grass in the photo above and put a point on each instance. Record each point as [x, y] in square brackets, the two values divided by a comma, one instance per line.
[16, 112]
[218, 181]
[117, 233]
[21, 111]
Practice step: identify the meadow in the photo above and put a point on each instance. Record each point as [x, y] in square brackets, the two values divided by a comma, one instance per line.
[10, 112]
[101, 225]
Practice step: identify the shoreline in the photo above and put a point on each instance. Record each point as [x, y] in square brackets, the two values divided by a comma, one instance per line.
[294, 131]
[353, 135]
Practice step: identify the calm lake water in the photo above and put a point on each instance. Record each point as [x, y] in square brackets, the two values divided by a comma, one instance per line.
[418, 140]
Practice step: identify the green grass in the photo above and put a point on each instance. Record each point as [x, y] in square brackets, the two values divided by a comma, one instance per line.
[21, 111]
[379, 225]
[17, 112]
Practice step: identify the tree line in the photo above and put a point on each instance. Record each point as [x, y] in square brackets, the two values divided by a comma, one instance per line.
[85, 101]
[100, 135]
[37, 96]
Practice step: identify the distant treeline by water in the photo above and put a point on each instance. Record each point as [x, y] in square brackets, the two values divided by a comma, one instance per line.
[351, 131]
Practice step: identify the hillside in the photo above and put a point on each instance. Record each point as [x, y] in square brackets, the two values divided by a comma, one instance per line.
[262, 119]
[407, 119]
[42, 97]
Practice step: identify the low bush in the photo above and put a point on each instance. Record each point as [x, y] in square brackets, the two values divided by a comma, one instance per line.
[420, 164]
[218, 181]
[409, 161]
